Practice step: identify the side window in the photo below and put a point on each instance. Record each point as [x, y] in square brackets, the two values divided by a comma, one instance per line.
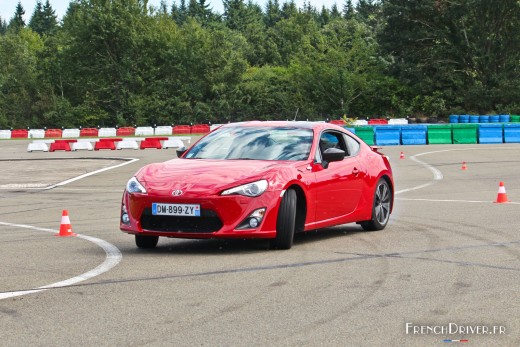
[333, 140]
[353, 145]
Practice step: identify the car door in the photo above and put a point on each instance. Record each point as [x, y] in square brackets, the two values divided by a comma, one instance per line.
[338, 186]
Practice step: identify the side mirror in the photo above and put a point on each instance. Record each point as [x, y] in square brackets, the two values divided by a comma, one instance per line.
[180, 151]
[333, 154]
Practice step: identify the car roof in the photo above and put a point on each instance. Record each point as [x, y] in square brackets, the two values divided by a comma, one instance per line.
[280, 124]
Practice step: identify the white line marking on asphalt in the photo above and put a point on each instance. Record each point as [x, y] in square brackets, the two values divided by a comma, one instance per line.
[472, 201]
[113, 257]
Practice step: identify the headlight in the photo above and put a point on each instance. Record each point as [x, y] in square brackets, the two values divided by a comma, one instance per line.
[250, 189]
[133, 186]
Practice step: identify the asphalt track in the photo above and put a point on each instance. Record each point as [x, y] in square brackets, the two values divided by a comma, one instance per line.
[449, 255]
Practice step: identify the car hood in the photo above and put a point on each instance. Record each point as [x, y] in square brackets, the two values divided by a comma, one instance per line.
[202, 175]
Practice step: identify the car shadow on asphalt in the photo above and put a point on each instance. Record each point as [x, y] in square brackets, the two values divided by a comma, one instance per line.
[242, 246]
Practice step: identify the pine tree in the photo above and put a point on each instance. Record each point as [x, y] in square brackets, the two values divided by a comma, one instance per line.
[17, 22]
[49, 17]
[3, 26]
[348, 10]
[272, 13]
[37, 19]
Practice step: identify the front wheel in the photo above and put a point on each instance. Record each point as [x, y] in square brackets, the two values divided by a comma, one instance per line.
[286, 221]
[381, 207]
[146, 242]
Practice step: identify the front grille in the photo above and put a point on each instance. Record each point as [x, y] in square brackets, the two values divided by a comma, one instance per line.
[208, 222]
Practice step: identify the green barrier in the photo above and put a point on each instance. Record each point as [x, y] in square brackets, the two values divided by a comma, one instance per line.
[515, 118]
[439, 134]
[465, 133]
[366, 134]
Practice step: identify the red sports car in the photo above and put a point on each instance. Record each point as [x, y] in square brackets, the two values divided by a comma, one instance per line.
[260, 180]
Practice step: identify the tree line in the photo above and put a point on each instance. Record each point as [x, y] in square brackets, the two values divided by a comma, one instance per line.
[123, 62]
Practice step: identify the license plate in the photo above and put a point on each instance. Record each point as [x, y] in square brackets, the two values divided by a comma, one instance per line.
[159, 209]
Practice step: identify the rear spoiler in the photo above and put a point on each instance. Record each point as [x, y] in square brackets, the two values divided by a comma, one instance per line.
[376, 149]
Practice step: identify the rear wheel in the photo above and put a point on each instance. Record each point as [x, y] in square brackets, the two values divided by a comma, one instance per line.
[381, 207]
[286, 221]
[147, 242]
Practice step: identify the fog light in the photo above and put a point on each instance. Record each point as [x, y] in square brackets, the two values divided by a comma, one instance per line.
[124, 215]
[253, 222]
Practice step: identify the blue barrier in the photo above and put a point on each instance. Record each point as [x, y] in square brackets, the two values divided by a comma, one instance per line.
[352, 130]
[484, 119]
[494, 119]
[413, 134]
[504, 118]
[388, 135]
[474, 119]
[490, 133]
[464, 118]
[511, 133]
[454, 118]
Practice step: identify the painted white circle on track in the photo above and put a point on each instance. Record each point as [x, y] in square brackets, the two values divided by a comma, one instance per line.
[113, 257]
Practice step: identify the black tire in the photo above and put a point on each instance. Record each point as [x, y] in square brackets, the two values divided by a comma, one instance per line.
[146, 242]
[381, 207]
[286, 221]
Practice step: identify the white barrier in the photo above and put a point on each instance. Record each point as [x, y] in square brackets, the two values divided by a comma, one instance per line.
[127, 144]
[186, 139]
[163, 130]
[360, 122]
[70, 133]
[144, 131]
[36, 134]
[82, 145]
[214, 126]
[172, 143]
[5, 134]
[398, 121]
[107, 132]
[37, 146]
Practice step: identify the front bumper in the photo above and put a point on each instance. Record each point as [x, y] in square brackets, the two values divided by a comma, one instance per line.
[220, 216]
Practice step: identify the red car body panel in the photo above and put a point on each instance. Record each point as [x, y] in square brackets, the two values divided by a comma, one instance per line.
[342, 193]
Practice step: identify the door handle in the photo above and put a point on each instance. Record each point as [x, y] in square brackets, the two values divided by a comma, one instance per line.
[355, 171]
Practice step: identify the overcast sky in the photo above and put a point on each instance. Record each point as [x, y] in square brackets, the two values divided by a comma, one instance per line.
[8, 7]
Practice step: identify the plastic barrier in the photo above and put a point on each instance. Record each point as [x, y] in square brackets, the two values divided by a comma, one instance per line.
[484, 119]
[106, 144]
[53, 133]
[182, 129]
[494, 119]
[464, 133]
[19, 134]
[514, 119]
[151, 142]
[366, 134]
[144, 131]
[338, 122]
[127, 144]
[215, 126]
[414, 135]
[172, 143]
[82, 145]
[397, 121]
[200, 129]
[512, 133]
[454, 118]
[440, 134]
[352, 130]
[360, 122]
[88, 132]
[61, 145]
[36, 134]
[490, 133]
[504, 118]
[163, 130]
[70, 133]
[5, 134]
[389, 135]
[125, 131]
[107, 132]
[37, 146]
[474, 119]
[464, 118]
[377, 121]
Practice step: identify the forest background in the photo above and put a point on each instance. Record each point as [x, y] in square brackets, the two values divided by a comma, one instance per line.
[122, 62]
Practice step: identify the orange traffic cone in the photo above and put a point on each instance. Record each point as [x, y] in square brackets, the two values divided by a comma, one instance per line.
[65, 227]
[502, 196]
[464, 167]
[401, 156]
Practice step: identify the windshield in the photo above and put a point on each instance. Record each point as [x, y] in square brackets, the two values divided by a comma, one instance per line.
[259, 143]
